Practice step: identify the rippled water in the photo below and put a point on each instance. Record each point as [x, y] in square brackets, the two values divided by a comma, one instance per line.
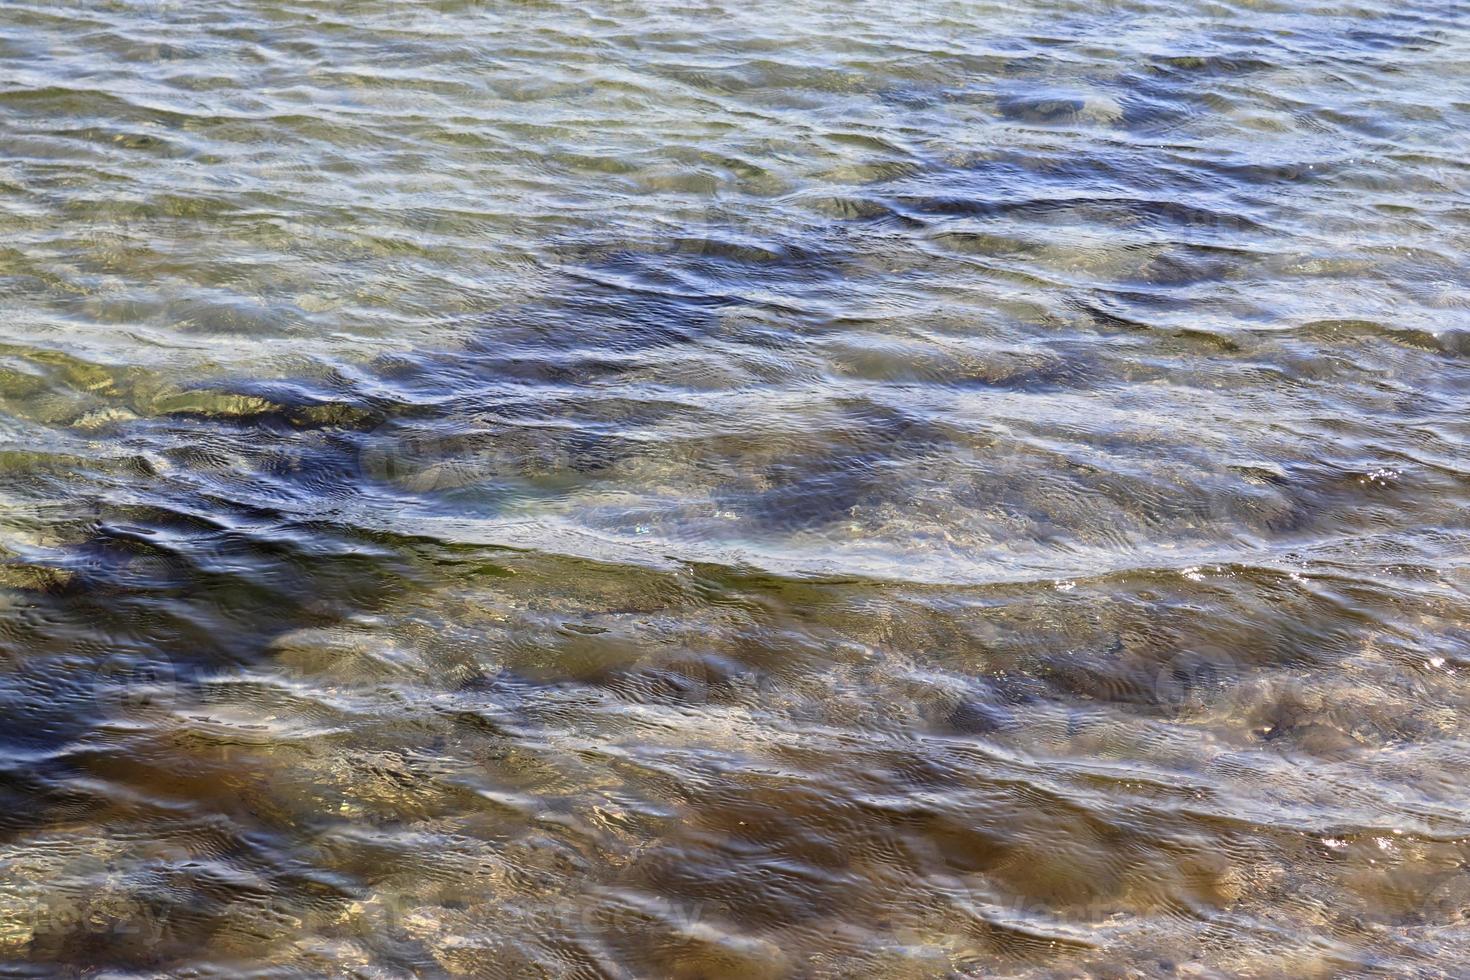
[735, 490]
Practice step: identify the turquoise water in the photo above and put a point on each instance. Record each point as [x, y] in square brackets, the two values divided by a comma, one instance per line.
[768, 490]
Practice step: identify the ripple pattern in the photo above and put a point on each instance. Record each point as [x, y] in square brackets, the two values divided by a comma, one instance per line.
[638, 489]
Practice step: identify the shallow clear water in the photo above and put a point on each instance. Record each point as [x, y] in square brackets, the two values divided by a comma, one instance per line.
[765, 490]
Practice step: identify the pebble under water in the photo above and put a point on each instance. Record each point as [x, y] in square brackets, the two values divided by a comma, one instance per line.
[712, 490]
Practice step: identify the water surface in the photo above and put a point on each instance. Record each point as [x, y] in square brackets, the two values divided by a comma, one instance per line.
[734, 490]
